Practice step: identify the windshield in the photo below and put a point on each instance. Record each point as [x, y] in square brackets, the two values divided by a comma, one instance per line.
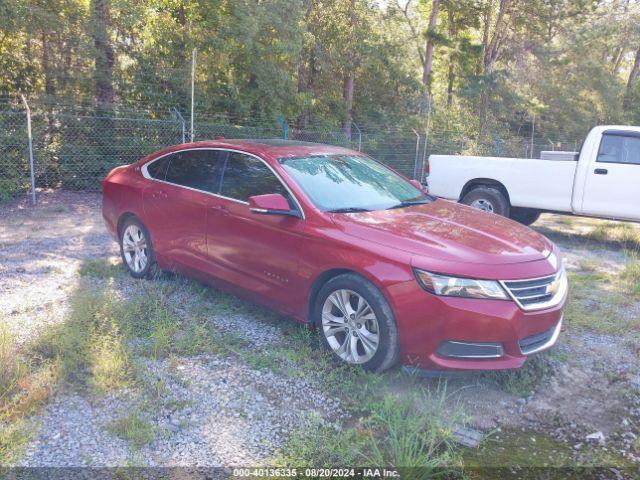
[343, 183]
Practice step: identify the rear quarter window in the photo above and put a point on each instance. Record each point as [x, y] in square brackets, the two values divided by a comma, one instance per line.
[158, 169]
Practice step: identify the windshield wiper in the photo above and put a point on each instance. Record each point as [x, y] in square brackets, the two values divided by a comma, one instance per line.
[349, 210]
[408, 203]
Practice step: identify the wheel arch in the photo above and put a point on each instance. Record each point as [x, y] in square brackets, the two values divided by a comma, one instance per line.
[327, 275]
[124, 217]
[484, 182]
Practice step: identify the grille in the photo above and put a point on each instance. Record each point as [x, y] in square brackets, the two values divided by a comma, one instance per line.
[537, 293]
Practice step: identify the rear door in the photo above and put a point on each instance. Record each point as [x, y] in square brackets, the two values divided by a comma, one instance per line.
[176, 205]
[611, 186]
[257, 252]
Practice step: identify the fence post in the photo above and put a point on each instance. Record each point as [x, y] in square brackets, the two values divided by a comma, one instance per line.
[417, 156]
[498, 140]
[182, 124]
[285, 127]
[533, 132]
[193, 89]
[30, 140]
[359, 136]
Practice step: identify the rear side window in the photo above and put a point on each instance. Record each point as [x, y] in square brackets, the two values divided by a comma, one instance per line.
[245, 176]
[616, 148]
[158, 169]
[199, 169]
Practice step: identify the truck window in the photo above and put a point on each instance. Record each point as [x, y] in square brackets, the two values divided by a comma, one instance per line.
[616, 148]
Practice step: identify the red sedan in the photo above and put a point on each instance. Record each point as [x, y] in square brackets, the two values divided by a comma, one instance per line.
[338, 240]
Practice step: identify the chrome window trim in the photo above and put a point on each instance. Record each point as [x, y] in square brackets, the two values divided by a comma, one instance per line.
[146, 175]
[548, 343]
[552, 302]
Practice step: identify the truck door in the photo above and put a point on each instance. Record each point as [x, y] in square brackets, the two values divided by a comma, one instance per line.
[612, 185]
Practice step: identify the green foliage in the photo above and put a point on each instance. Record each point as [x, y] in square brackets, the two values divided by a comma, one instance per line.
[133, 428]
[14, 166]
[101, 268]
[413, 433]
[89, 348]
[569, 64]
[524, 381]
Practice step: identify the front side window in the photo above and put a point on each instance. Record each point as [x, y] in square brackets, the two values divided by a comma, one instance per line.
[616, 148]
[351, 183]
[199, 169]
[246, 176]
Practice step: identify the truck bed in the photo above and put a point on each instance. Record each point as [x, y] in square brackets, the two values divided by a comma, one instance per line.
[533, 183]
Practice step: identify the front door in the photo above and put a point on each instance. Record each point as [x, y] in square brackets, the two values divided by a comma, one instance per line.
[611, 187]
[257, 252]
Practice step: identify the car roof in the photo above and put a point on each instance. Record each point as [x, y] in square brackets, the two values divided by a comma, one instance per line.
[276, 148]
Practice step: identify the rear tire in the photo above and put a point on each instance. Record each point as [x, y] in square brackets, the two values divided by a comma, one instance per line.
[136, 249]
[488, 199]
[351, 312]
[525, 216]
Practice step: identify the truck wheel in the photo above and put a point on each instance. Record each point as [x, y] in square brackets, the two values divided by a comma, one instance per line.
[525, 216]
[487, 199]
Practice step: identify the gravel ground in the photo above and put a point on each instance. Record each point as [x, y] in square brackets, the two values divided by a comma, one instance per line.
[220, 411]
[219, 414]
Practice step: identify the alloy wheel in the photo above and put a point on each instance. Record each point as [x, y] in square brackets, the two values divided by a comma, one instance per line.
[482, 204]
[350, 326]
[134, 246]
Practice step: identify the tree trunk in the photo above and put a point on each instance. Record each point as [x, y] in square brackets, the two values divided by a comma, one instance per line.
[618, 60]
[348, 80]
[633, 75]
[428, 54]
[49, 86]
[485, 33]
[307, 71]
[348, 104]
[492, 49]
[451, 75]
[104, 55]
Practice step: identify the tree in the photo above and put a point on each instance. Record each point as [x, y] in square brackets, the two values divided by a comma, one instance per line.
[104, 55]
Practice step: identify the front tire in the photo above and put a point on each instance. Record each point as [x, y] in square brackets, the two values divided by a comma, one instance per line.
[488, 199]
[136, 249]
[356, 324]
[525, 216]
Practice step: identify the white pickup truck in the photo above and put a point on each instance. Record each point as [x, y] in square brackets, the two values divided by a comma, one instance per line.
[603, 180]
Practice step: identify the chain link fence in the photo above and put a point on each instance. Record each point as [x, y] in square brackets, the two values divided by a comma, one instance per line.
[14, 153]
[75, 148]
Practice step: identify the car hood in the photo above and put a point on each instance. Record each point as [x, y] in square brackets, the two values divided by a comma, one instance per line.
[448, 231]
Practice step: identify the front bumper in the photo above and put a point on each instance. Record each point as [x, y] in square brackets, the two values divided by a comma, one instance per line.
[470, 334]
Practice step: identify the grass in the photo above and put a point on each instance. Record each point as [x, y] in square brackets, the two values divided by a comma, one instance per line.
[14, 438]
[622, 233]
[411, 432]
[524, 381]
[89, 348]
[101, 268]
[24, 385]
[134, 429]
[604, 302]
[535, 455]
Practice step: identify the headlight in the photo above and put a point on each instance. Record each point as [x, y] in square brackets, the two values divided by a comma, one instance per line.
[460, 287]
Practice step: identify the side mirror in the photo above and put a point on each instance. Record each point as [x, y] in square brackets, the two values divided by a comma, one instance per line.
[271, 204]
[417, 184]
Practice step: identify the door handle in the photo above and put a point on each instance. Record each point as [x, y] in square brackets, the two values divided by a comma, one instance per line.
[220, 210]
[601, 171]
